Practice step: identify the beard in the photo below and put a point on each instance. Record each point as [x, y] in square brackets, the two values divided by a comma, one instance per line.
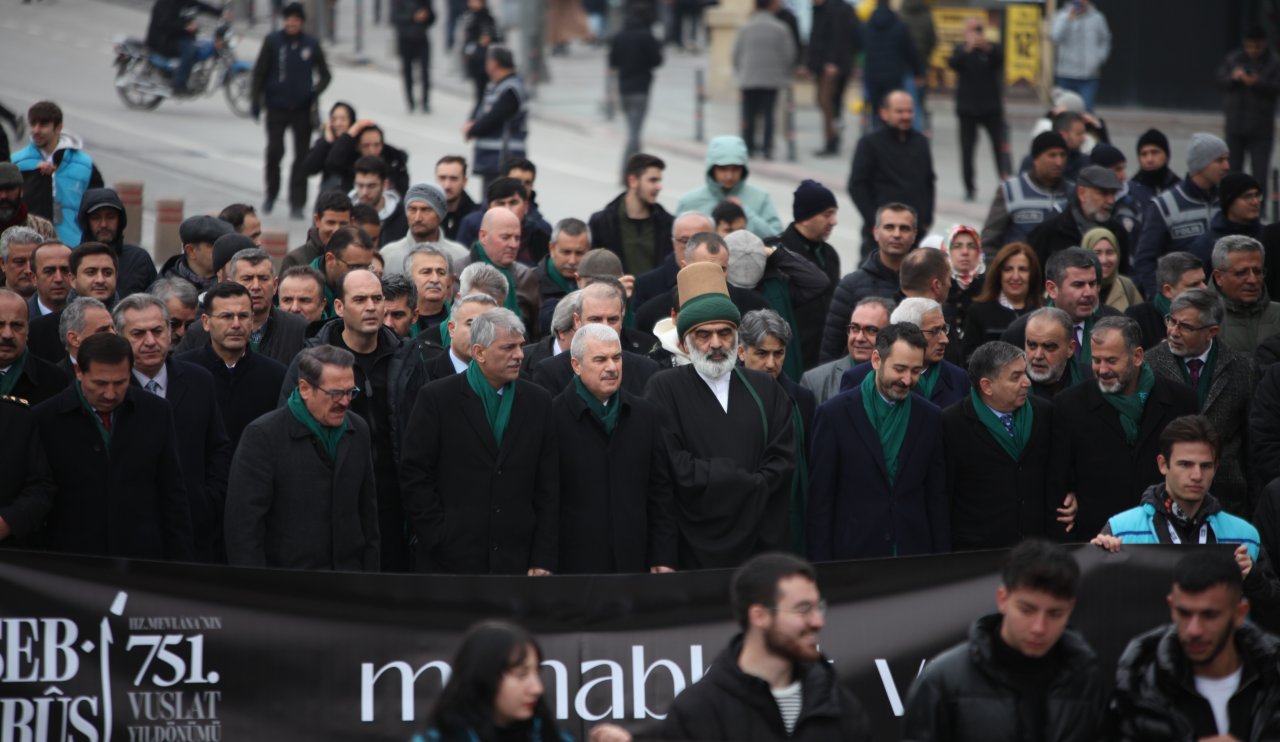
[1118, 385]
[714, 364]
[790, 647]
[1047, 377]
[8, 209]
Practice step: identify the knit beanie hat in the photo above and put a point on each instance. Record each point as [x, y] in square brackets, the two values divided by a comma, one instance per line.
[1156, 137]
[811, 198]
[430, 194]
[226, 246]
[1047, 140]
[1106, 155]
[746, 259]
[704, 297]
[1204, 149]
[1235, 185]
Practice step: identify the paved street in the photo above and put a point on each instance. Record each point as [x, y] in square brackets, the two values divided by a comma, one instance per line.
[199, 150]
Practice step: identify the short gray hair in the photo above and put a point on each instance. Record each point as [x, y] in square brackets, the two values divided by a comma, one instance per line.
[562, 317]
[72, 318]
[913, 309]
[250, 255]
[883, 302]
[1127, 327]
[396, 286]
[571, 227]
[18, 235]
[427, 248]
[311, 361]
[1171, 267]
[1208, 305]
[136, 303]
[759, 324]
[989, 358]
[1058, 316]
[483, 278]
[476, 298]
[1223, 248]
[165, 289]
[1073, 257]
[484, 329]
[586, 333]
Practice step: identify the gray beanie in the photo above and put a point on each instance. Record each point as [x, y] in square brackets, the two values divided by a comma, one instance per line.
[746, 259]
[1204, 149]
[429, 193]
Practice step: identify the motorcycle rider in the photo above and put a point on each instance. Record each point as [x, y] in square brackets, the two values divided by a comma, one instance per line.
[172, 32]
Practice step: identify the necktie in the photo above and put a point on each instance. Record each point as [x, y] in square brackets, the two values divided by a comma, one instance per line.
[1079, 330]
[106, 420]
[1007, 419]
[153, 386]
[1193, 370]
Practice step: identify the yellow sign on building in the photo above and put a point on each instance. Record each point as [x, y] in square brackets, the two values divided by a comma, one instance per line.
[1022, 44]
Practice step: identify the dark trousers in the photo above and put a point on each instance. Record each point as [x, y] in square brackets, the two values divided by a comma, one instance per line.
[758, 103]
[479, 84]
[831, 100]
[687, 17]
[457, 8]
[278, 120]
[634, 106]
[416, 51]
[1259, 150]
[994, 124]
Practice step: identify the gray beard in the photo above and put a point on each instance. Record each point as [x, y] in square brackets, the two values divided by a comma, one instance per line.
[707, 367]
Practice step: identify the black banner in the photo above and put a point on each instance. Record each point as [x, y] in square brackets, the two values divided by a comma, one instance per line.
[98, 649]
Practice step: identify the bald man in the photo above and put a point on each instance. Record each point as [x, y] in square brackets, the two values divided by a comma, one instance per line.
[498, 246]
[663, 278]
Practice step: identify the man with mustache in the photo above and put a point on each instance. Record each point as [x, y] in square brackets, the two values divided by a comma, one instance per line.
[103, 219]
[424, 210]
[16, 247]
[1209, 673]
[498, 513]
[23, 375]
[93, 275]
[1072, 278]
[1050, 352]
[1092, 204]
[431, 271]
[389, 372]
[1238, 270]
[728, 431]
[877, 475]
[771, 680]
[13, 211]
[603, 302]
[615, 490]
[1106, 433]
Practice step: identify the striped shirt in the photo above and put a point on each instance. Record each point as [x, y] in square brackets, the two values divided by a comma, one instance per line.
[789, 700]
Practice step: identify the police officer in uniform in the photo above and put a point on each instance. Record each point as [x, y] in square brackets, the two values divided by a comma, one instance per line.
[1024, 203]
[499, 123]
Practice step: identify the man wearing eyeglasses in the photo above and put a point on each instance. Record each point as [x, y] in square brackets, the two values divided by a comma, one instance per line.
[942, 382]
[1238, 275]
[869, 317]
[348, 249]
[1222, 378]
[771, 682]
[389, 373]
[301, 493]
[204, 450]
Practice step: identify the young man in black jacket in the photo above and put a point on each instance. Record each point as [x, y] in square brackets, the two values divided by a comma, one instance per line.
[771, 676]
[634, 54]
[979, 68]
[1022, 674]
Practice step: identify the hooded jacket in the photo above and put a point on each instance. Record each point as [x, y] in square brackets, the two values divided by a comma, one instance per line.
[136, 271]
[762, 218]
[964, 694]
[729, 704]
[57, 197]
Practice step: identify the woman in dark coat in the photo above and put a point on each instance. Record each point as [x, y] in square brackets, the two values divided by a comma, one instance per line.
[341, 117]
[1014, 286]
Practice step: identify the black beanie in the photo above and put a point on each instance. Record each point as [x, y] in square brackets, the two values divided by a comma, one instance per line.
[1233, 186]
[1105, 155]
[1156, 137]
[226, 246]
[811, 197]
[1047, 140]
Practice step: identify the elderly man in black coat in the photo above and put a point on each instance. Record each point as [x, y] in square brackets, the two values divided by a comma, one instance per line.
[998, 447]
[1107, 432]
[604, 303]
[203, 446]
[615, 486]
[478, 471]
[302, 492]
[114, 456]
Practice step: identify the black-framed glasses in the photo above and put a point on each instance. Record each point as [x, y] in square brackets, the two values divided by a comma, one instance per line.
[804, 609]
[1170, 322]
[869, 330]
[337, 394]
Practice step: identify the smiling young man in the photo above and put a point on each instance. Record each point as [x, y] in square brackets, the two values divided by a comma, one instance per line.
[1022, 674]
[771, 681]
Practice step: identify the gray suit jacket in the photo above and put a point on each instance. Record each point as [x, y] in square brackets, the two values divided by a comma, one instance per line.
[824, 380]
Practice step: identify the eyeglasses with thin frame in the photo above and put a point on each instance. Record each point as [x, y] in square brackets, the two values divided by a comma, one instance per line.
[942, 329]
[1169, 321]
[804, 609]
[337, 394]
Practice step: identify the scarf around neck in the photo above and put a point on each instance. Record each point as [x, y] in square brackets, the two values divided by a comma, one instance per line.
[890, 422]
[497, 407]
[1022, 420]
[606, 412]
[329, 437]
[1130, 406]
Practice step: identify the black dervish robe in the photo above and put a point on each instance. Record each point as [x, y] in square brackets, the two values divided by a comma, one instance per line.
[731, 473]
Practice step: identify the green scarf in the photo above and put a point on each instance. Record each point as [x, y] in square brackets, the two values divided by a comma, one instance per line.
[779, 298]
[607, 414]
[799, 485]
[1022, 418]
[558, 278]
[1130, 406]
[10, 378]
[445, 342]
[510, 302]
[1161, 304]
[497, 408]
[929, 380]
[329, 312]
[93, 415]
[328, 437]
[1202, 388]
[890, 422]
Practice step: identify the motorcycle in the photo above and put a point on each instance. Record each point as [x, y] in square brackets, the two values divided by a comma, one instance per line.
[144, 79]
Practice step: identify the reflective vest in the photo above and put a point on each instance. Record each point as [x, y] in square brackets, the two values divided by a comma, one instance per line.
[492, 151]
[1185, 218]
[1137, 526]
[1029, 206]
